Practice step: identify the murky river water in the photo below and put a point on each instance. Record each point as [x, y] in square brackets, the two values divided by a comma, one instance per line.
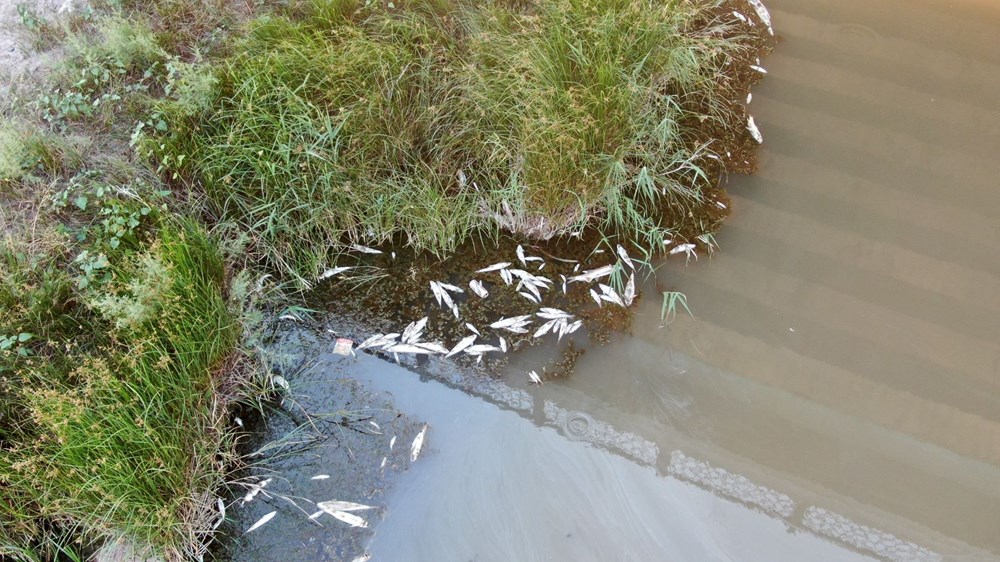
[837, 394]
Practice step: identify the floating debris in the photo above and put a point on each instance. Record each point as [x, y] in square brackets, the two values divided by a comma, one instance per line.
[343, 347]
[418, 443]
[260, 522]
[477, 287]
[754, 131]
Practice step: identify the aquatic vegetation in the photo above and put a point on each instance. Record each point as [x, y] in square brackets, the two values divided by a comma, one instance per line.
[341, 123]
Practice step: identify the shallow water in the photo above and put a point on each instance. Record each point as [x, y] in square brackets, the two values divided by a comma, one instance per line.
[844, 352]
[837, 394]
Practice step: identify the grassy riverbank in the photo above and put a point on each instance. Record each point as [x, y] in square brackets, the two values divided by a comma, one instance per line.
[179, 148]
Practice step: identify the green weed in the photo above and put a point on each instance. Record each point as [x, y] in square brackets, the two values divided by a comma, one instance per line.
[349, 122]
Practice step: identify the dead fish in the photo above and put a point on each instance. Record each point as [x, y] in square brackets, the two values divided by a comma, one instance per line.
[454, 310]
[392, 442]
[494, 267]
[478, 289]
[450, 287]
[255, 489]
[320, 477]
[762, 13]
[593, 274]
[291, 317]
[563, 283]
[413, 330]
[375, 425]
[480, 349]
[609, 294]
[280, 381]
[629, 294]
[365, 249]
[418, 443]
[534, 378]
[530, 297]
[334, 271]
[222, 512]
[549, 313]
[625, 257]
[437, 291]
[349, 518]
[545, 328]
[506, 276]
[596, 297]
[384, 460]
[754, 131]
[461, 345]
[378, 340]
[410, 348]
[363, 558]
[520, 255]
[503, 345]
[574, 326]
[267, 517]
[339, 505]
[513, 321]
[682, 248]
[758, 68]
[472, 329]
[749, 96]
[742, 18]
[433, 347]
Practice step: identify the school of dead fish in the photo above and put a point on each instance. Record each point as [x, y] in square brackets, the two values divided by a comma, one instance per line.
[529, 285]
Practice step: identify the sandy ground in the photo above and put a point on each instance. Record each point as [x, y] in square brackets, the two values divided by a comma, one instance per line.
[18, 59]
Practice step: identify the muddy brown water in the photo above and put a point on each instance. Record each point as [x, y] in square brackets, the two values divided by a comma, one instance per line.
[836, 395]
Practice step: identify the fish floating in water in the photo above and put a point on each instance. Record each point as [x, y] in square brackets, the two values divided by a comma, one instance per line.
[534, 378]
[255, 489]
[515, 324]
[260, 522]
[320, 477]
[762, 13]
[334, 271]
[494, 267]
[687, 249]
[593, 274]
[418, 443]
[461, 345]
[754, 131]
[625, 257]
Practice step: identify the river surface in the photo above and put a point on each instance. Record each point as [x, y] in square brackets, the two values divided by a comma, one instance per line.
[836, 395]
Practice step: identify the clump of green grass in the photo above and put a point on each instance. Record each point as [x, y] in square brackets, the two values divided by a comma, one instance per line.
[109, 424]
[344, 121]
